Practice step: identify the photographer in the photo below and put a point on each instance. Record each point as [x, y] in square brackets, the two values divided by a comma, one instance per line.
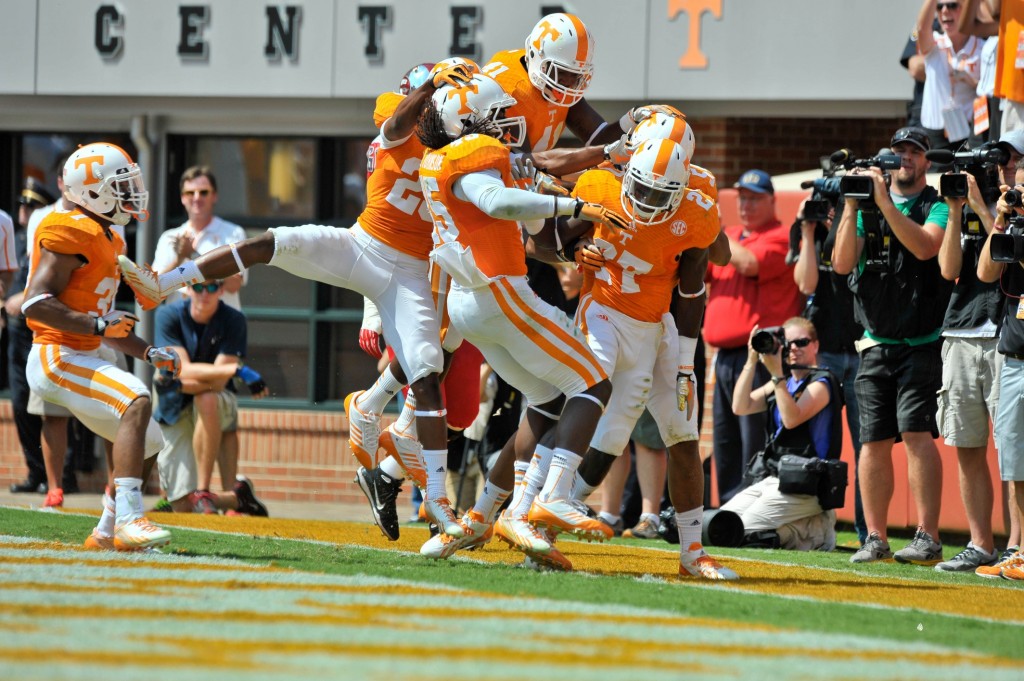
[970, 363]
[799, 422]
[830, 308]
[889, 247]
[1009, 421]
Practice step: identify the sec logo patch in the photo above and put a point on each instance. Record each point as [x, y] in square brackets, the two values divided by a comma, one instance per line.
[678, 228]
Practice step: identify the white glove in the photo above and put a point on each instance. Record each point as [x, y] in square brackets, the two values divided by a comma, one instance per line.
[617, 152]
[115, 324]
[527, 177]
[164, 359]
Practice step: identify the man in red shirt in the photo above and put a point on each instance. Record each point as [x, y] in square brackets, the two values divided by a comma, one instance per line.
[756, 287]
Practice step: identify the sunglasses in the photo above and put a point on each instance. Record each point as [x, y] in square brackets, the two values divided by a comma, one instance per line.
[196, 192]
[798, 342]
[947, 5]
[211, 287]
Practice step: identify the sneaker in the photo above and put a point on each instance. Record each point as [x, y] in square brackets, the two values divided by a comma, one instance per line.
[99, 542]
[140, 534]
[993, 571]
[922, 550]
[645, 529]
[518, 533]
[968, 560]
[439, 512]
[697, 563]
[617, 527]
[203, 501]
[874, 549]
[54, 499]
[1013, 567]
[477, 533]
[246, 495]
[560, 514]
[406, 451]
[363, 432]
[143, 281]
[382, 493]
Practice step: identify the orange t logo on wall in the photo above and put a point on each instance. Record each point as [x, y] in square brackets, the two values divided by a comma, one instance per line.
[549, 30]
[87, 161]
[694, 58]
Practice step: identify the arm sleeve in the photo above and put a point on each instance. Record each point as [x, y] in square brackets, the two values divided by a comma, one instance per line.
[487, 191]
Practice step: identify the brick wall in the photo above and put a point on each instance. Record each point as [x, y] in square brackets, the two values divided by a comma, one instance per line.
[729, 146]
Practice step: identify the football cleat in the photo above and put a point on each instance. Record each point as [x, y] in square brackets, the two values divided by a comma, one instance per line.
[518, 533]
[143, 281]
[99, 542]
[407, 452]
[439, 511]
[140, 534]
[382, 493]
[477, 533]
[552, 560]
[363, 432]
[697, 563]
[560, 514]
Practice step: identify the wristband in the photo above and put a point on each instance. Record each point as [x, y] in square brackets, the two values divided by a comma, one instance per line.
[687, 350]
[776, 380]
[578, 208]
[99, 326]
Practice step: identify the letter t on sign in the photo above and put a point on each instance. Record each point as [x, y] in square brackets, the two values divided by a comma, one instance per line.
[694, 9]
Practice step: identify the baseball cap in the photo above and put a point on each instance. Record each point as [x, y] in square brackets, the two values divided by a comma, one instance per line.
[913, 134]
[1015, 139]
[756, 181]
[35, 194]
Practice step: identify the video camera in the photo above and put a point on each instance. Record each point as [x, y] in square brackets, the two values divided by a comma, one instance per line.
[861, 187]
[983, 163]
[1009, 246]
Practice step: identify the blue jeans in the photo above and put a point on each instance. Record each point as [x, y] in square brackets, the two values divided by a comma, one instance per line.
[844, 365]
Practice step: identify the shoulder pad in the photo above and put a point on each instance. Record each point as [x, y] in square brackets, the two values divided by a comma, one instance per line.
[385, 107]
[477, 152]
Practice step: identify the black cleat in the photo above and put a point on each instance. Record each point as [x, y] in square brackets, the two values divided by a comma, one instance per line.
[382, 492]
[247, 501]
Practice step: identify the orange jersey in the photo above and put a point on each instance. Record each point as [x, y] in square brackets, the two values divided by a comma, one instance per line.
[489, 246]
[641, 263]
[704, 181]
[544, 120]
[92, 286]
[385, 107]
[395, 213]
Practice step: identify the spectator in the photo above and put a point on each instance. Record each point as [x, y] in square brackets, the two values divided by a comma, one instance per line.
[1013, 143]
[198, 413]
[970, 370]
[755, 288]
[952, 62]
[19, 343]
[1009, 79]
[202, 232]
[1009, 421]
[830, 309]
[800, 421]
[900, 298]
[914, 64]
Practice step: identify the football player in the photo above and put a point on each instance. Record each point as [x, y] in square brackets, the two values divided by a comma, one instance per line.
[69, 307]
[469, 189]
[384, 258]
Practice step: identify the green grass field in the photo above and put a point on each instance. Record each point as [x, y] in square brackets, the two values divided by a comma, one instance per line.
[257, 598]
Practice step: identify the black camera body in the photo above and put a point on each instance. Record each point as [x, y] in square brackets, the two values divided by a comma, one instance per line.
[861, 187]
[953, 186]
[983, 163]
[769, 340]
[1009, 246]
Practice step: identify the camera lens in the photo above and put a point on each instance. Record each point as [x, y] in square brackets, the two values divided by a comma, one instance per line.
[764, 342]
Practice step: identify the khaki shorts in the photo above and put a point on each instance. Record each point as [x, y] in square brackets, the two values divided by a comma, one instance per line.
[969, 397]
[176, 462]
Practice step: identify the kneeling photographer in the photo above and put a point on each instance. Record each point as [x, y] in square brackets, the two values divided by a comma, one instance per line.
[1002, 260]
[796, 480]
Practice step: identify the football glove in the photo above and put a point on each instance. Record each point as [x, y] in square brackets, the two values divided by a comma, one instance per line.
[530, 179]
[686, 391]
[617, 152]
[371, 339]
[595, 212]
[252, 379]
[164, 359]
[588, 256]
[637, 114]
[454, 75]
[115, 324]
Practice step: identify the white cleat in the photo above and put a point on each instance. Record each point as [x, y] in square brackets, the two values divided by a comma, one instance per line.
[363, 432]
[143, 281]
[560, 514]
[439, 511]
[140, 534]
[518, 533]
[408, 452]
[477, 533]
[697, 563]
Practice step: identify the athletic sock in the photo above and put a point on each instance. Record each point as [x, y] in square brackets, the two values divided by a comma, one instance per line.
[519, 487]
[106, 524]
[392, 468]
[184, 275]
[581, 489]
[490, 501]
[690, 524]
[436, 462]
[406, 423]
[561, 476]
[533, 479]
[380, 393]
[127, 499]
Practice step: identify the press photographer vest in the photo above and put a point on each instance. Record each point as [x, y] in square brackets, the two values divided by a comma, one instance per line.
[830, 308]
[908, 297]
[799, 440]
[973, 301]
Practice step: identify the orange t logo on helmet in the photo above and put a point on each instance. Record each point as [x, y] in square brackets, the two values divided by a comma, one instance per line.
[549, 30]
[88, 161]
[463, 94]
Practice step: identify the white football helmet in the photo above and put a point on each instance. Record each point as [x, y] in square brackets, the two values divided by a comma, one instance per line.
[559, 58]
[480, 99]
[662, 126]
[654, 181]
[103, 178]
[414, 77]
